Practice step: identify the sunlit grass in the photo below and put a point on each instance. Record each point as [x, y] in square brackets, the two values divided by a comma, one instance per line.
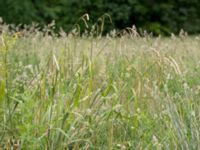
[128, 92]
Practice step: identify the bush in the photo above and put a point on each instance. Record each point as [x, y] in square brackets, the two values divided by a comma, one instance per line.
[153, 15]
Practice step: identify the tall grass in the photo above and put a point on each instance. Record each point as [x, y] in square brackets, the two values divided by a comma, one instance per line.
[72, 92]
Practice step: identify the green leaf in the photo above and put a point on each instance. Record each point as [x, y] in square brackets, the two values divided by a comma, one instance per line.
[2, 90]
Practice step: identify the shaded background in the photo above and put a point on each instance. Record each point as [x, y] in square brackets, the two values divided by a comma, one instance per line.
[155, 16]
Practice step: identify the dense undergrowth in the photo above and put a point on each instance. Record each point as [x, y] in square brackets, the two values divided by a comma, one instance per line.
[72, 92]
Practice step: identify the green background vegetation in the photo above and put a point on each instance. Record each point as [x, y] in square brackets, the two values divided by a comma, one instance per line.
[153, 15]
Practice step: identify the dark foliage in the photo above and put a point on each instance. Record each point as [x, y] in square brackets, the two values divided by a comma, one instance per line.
[155, 16]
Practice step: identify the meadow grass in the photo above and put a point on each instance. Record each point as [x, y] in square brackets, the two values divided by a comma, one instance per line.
[125, 92]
